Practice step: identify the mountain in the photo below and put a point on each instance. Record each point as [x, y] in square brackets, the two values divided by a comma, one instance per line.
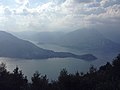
[85, 40]
[88, 40]
[13, 47]
[41, 37]
[112, 34]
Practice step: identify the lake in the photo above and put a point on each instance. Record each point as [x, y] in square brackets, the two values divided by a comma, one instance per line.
[51, 67]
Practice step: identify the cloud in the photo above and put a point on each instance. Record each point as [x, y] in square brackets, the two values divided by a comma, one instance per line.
[84, 1]
[7, 11]
[110, 18]
[1, 9]
[22, 2]
[60, 14]
[107, 3]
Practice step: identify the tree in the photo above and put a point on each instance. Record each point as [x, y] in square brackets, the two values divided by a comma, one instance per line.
[92, 69]
[39, 82]
[4, 77]
[19, 82]
[2, 67]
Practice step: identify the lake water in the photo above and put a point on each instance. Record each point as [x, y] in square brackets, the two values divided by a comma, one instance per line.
[52, 67]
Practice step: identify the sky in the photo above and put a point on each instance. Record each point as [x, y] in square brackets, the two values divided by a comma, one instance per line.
[58, 15]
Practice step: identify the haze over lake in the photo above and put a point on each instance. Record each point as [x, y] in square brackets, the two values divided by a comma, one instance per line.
[52, 67]
[49, 35]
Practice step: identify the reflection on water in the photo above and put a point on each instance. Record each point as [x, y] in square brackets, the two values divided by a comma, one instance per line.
[51, 67]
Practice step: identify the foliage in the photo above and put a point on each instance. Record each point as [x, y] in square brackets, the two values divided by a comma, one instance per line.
[39, 82]
[107, 77]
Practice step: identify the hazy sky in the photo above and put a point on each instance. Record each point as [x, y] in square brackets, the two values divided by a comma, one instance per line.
[53, 15]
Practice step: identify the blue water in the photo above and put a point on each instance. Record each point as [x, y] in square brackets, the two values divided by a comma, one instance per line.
[51, 67]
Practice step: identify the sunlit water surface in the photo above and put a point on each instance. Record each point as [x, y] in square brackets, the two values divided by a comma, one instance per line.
[51, 67]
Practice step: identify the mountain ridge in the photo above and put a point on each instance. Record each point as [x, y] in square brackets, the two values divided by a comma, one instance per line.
[13, 47]
[88, 39]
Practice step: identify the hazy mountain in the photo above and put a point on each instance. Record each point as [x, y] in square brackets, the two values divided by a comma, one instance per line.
[89, 40]
[56, 37]
[11, 46]
[41, 37]
[112, 34]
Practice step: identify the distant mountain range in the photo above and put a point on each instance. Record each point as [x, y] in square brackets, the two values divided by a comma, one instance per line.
[112, 34]
[92, 40]
[13, 47]
[89, 40]
[41, 37]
